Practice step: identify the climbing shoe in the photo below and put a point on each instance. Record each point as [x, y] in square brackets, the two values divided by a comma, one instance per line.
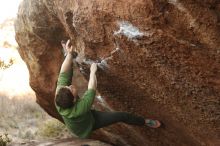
[152, 123]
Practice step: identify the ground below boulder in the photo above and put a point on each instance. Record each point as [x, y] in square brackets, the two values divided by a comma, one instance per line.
[63, 142]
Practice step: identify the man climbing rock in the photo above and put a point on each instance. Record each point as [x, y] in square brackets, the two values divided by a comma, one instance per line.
[76, 112]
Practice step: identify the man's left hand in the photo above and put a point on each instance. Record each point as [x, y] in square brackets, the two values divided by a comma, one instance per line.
[69, 49]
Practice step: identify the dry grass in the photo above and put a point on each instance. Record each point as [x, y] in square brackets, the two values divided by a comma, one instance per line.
[53, 129]
[23, 119]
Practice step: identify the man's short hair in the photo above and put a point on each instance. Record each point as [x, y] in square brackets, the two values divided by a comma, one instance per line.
[64, 98]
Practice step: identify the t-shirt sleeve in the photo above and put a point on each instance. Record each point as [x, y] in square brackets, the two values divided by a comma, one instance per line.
[64, 79]
[82, 106]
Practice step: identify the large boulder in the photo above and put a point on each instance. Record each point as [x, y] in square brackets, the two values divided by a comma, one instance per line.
[158, 59]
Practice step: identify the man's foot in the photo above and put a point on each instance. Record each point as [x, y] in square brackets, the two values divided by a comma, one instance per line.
[152, 123]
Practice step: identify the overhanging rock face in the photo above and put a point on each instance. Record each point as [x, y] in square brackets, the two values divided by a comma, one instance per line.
[158, 59]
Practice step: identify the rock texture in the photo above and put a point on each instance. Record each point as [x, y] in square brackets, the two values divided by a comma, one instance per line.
[158, 59]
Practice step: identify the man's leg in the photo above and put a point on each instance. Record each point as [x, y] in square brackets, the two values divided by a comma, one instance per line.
[103, 119]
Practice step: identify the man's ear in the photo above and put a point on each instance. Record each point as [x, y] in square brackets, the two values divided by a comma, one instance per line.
[63, 43]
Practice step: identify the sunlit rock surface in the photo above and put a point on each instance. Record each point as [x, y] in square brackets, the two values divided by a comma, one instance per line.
[159, 59]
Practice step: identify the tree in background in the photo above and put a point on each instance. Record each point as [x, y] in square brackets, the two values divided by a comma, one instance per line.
[4, 65]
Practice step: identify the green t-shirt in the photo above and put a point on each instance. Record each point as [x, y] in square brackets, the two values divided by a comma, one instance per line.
[78, 119]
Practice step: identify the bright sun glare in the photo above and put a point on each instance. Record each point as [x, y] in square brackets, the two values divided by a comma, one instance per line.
[8, 9]
[14, 81]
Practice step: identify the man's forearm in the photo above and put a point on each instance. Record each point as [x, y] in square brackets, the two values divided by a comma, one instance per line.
[92, 81]
[67, 63]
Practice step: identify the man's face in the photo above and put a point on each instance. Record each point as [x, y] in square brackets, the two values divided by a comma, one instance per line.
[73, 91]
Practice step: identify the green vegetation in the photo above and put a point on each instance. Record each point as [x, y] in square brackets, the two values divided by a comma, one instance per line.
[4, 65]
[4, 140]
[52, 129]
[26, 121]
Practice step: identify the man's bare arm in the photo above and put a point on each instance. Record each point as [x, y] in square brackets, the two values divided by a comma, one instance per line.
[68, 61]
[92, 79]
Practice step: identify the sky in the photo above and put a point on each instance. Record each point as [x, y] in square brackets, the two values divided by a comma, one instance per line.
[8, 9]
[14, 81]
